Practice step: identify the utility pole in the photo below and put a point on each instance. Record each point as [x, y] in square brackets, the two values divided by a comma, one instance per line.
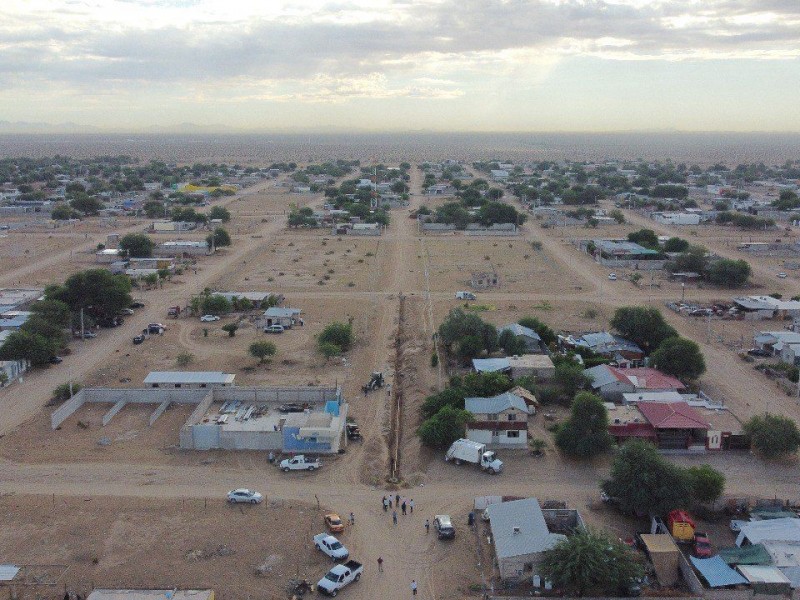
[83, 336]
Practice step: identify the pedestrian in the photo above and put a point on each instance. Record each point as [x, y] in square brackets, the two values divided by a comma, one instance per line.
[352, 519]
[394, 516]
[411, 505]
[413, 587]
[389, 501]
[427, 526]
[397, 500]
[404, 507]
[380, 564]
[383, 503]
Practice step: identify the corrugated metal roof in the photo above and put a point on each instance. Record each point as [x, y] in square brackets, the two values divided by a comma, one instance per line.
[755, 554]
[189, 377]
[518, 329]
[525, 515]
[716, 572]
[8, 572]
[490, 365]
[277, 311]
[762, 574]
[781, 530]
[495, 404]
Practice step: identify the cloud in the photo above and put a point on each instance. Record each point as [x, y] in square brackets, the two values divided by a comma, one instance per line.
[315, 50]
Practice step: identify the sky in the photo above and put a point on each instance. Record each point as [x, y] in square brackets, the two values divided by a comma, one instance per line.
[403, 65]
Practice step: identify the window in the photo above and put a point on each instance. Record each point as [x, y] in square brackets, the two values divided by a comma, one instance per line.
[495, 433]
[512, 417]
[492, 417]
[177, 385]
[202, 385]
[155, 385]
[512, 434]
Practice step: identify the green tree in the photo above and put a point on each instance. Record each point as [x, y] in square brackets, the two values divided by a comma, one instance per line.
[693, 260]
[88, 205]
[215, 305]
[729, 273]
[643, 482]
[547, 335]
[585, 433]
[230, 329]
[445, 427]
[452, 396]
[154, 209]
[484, 385]
[64, 391]
[64, 212]
[97, 291]
[219, 212]
[328, 350]
[54, 332]
[33, 347]
[707, 483]
[262, 350]
[676, 244]
[644, 326]
[137, 245]
[510, 343]
[54, 311]
[499, 212]
[570, 378]
[218, 239]
[644, 237]
[3, 378]
[338, 334]
[679, 357]
[591, 563]
[773, 435]
[469, 347]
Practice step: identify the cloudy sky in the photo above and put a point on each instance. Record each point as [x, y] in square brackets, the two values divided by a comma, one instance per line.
[475, 65]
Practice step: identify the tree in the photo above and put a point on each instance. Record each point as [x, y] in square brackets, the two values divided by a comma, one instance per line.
[469, 347]
[643, 482]
[86, 204]
[219, 238]
[644, 326]
[590, 562]
[64, 391]
[547, 335]
[184, 358]
[219, 212]
[570, 378]
[694, 260]
[676, 244]
[679, 357]
[484, 385]
[773, 435]
[54, 311]
[54, 332]
[445, 427]
[499, 212]
[644, 237]
[337, 333]
[137, 245]
[328, 350]
[231, 329]
[97, 291]
[585, 433]
[707, 483]
[154, 209]
[33, 347]
[452, 396]
[3, 378]
[617, 215]
[510, 343]
[262, 350]
[729, 273]
[215, 305]
[64, 212]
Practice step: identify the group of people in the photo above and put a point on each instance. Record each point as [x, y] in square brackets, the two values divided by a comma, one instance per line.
[406, 506]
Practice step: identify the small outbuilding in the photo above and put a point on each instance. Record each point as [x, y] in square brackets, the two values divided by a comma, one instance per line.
[189, 379]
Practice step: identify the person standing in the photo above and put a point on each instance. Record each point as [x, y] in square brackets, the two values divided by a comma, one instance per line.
[411, 505]
[397, 500]
[383, 503]
[380, 564]
[427, 526]
[403, 507]
[352, 519]
[394, 516]
[413, 587]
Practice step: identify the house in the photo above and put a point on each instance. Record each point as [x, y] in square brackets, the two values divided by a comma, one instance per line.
[774, 530]
[12, 369]
[520, 535]
[668, 425]
[533, 343]
[317, 431]
[170, 226]
[530, 400]
[535, 365]
[611, 382]
[785, 344]
[756, 308]
[501, 420]
[622, 253]
[603, 343]
[188, 379]
[108, 255]
[276, 315]
[12, 320]
[182, 248]
[676, 218]
[499, 174]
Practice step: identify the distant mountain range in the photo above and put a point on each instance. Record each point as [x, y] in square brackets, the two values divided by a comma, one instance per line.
[27, 127]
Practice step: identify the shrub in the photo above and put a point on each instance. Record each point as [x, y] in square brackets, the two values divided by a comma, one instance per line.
[773, 435]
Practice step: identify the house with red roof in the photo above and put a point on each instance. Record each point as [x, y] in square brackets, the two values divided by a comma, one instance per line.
[611, 382]
[669, 425]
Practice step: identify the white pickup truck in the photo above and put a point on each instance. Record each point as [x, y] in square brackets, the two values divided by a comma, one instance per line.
[300, 463]
[339, 577]
[330, 546]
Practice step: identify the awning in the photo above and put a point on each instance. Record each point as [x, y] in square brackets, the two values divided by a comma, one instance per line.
[716, 572]
[8, 572]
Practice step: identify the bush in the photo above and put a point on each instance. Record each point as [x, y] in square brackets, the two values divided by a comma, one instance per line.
[231, 329]
[137, 245]
[434, 359]
[62, 392]
[337, 334]
[569, 378]
[707, 483]
[184, 358]
[773, 435]
[328, 350]
[585, 433]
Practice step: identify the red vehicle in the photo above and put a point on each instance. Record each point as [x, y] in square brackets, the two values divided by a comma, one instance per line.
[702, 545]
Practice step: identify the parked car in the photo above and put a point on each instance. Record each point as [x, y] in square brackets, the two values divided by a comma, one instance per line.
[782, 275]
[612, 276]
[209, 318]
[243, 495]
[465, 296]
[87, 335]
[444, 527]
[125, 311]
[330, 546]
[702, 545]
[340, 576]
[300, 463]
[291, 407]
[138, 339]
[274, 329]
[55, 360]
[758, 352]
[156, 328]
[137, 304]
[334, 523]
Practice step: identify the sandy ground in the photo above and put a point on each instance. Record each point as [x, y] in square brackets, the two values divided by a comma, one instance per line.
[401, 291]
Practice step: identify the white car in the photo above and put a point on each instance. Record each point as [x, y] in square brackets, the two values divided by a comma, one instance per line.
[331, 546]
[782, 275]
[209, 318]
[244, 496]
[612, 276]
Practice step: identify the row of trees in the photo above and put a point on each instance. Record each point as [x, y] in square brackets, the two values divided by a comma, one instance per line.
[723, 272]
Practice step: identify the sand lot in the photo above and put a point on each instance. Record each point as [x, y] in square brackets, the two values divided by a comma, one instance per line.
[143, 505]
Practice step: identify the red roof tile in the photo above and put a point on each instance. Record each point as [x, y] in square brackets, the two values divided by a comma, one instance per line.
[645, 378]
[671, 415]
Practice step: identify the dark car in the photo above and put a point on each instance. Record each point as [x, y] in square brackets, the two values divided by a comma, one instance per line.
[138, 339]
[758, 352]
[290, 408]
[55, 360]
[444, 527]
[137, 304]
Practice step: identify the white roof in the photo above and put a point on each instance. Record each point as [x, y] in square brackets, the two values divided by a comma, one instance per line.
[759, 574]
[519, 528]
[189, 377]
[783, 554]
[779, 530]
[8, 572]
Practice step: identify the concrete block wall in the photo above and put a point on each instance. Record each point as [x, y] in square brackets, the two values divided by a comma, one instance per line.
[67, 409]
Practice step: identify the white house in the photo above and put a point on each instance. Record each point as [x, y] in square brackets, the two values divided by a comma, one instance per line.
[12, 369]
[501, 420]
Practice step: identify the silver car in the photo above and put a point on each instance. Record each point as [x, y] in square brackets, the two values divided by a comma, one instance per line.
[245, 496]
